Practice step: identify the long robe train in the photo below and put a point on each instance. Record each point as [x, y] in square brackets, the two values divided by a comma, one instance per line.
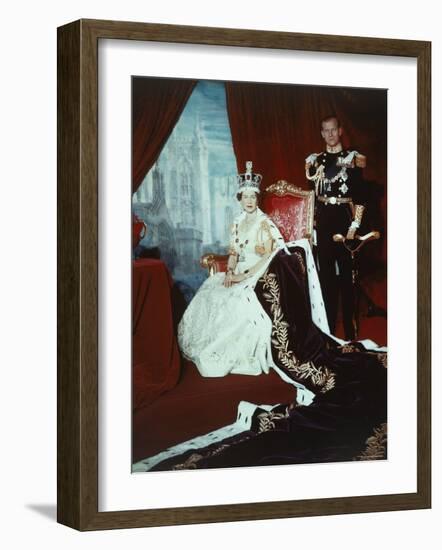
[347, 419]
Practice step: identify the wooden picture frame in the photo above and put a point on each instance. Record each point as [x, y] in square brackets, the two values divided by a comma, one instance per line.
[77, 462]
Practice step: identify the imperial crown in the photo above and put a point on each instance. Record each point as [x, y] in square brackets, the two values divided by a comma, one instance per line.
[249, 180]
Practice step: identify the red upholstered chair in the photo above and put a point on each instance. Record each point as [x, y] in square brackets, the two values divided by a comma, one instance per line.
[215, 263]
[292, 210]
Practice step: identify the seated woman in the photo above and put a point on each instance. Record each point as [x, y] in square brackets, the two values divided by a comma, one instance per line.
[224, 329]
[266, 312]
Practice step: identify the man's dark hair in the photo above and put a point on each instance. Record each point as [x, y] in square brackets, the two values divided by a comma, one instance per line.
[331, 117]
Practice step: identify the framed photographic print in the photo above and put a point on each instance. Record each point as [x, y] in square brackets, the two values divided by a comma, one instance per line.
[233, 230]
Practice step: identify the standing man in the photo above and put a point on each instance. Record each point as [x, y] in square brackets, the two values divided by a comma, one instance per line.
[336, 174]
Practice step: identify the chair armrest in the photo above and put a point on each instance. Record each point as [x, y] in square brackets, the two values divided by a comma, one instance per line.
[215, 263]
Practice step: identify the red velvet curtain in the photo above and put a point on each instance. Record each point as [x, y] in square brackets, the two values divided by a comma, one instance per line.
[278, 126]
[157, 104]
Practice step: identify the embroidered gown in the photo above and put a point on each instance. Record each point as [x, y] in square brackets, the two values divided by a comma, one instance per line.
[347, 418]
[225, 330]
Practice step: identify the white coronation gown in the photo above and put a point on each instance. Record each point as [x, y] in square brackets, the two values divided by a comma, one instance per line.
[225, 330]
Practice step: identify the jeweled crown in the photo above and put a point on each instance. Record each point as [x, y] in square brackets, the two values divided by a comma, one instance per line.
[249, 180]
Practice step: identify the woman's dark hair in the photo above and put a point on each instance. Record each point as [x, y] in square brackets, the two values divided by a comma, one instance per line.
[239, 195]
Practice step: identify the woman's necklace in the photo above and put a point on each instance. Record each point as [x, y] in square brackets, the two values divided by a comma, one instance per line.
[247, 224]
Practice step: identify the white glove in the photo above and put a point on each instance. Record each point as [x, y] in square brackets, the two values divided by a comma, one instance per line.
[354, 225]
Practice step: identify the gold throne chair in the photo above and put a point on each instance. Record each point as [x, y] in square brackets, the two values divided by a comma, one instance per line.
[291, 209]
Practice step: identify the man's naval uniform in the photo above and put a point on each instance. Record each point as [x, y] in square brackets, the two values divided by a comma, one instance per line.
[340, 199]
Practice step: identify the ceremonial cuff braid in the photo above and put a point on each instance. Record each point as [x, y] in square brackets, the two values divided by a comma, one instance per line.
[359, 212]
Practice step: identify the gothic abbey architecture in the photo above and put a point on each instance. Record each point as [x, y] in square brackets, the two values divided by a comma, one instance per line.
[187, 210]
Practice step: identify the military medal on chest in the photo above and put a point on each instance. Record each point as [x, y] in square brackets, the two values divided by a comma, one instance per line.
[324, 184]
[343, 188]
